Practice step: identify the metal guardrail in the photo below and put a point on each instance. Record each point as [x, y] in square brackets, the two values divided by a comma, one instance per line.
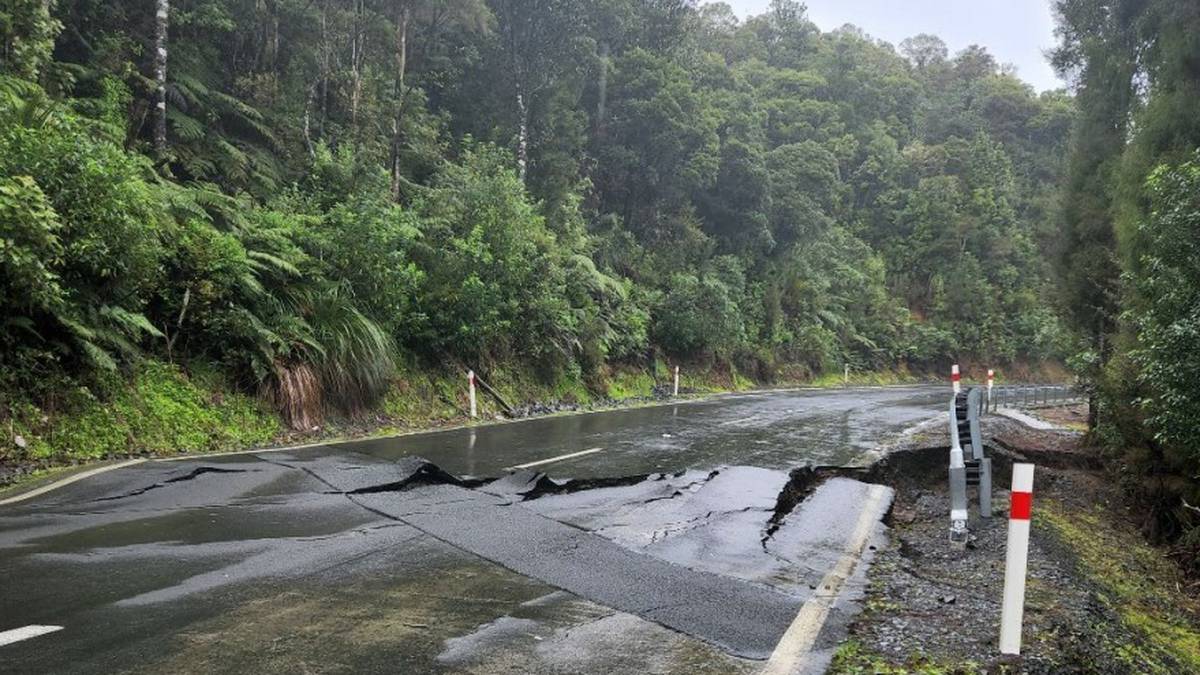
[968, 464]
[1032, 396]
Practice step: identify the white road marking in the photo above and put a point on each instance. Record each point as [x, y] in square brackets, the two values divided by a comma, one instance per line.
[17, 634]
[68, 480]
[560, 458]
[792, 652]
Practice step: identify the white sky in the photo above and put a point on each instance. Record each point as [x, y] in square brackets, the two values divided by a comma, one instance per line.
[1014, 31]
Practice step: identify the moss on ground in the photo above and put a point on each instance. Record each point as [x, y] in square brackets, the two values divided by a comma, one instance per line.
[625, 383]
[1135, 581]
[159, 411]
[852, 658]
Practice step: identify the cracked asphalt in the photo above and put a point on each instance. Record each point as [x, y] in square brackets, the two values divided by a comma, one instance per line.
[672, 549]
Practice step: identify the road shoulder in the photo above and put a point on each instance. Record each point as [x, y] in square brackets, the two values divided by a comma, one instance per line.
[1100, 599]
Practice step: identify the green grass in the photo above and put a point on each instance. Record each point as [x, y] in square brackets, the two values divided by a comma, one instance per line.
[160, 411]
[852, 658]
[865, 379]
[1137, 583]
[624, 384]
[419, 398]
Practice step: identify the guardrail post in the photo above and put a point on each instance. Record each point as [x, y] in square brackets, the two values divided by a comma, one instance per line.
[958, 493]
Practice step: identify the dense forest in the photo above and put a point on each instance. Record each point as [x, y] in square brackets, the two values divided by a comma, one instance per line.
[1130, 259]
[302, 198]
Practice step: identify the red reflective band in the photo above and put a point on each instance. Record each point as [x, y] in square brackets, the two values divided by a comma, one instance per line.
[955, 377]
[1022, 506]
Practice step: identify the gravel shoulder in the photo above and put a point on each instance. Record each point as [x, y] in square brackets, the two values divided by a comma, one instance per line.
[1098, 600]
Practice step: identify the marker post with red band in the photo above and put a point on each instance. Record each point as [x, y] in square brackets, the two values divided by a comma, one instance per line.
[471, 391]
[1013, 610]
[955, 376]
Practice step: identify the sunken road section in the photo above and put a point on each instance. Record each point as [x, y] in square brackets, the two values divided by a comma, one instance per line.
[743, 618]
[727, 556]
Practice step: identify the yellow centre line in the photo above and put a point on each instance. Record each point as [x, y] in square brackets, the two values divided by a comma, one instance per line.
[791, 654]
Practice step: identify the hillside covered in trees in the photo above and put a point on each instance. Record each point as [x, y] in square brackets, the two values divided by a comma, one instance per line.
[296, 198]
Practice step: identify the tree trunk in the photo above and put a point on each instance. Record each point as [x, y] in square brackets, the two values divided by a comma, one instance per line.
[522, 135]
[401, 96]
[161, 23]
[357, 41]
[324, 69]
[602, 89]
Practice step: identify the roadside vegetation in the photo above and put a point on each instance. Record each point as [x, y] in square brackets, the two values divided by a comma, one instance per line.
[1130, 257]
[223, 218]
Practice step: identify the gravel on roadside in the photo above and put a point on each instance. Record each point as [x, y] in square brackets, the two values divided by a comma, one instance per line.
[931, 608]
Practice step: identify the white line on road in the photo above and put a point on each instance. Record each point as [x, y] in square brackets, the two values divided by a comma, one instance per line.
[17, 634]
[794, 647]
[68, 480]
[560, 458]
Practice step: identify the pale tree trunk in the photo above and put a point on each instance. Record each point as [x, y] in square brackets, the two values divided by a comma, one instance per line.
[401, 96]
[324, 69]
[522, 135]
[602, 89]
[357, 52]
[161, 23]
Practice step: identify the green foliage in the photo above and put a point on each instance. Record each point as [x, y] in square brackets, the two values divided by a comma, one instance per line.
[1129, 247]
[556, 190]
[1167, 317]
[162, 411]
[698, 315]
[27, 32]
[81, 232]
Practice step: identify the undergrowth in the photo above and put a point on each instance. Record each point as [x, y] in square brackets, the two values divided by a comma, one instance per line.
[160, 410]
[1136, 582]
[852, 658]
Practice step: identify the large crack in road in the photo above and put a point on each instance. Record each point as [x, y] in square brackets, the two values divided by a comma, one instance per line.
[687, 550]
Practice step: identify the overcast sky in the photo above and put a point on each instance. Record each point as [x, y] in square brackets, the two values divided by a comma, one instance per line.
[1014, 31]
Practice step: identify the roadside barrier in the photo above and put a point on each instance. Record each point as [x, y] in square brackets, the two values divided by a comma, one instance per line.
[1033, 395]
[471, 391]
[1016, 559]
[968, 465]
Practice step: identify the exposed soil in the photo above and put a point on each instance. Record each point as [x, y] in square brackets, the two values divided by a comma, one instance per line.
[1098, 599]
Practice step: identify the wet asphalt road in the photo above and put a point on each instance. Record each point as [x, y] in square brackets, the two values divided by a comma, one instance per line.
[358, 557]
[779, 430]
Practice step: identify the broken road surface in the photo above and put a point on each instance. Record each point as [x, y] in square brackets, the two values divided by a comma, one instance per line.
[695, 551]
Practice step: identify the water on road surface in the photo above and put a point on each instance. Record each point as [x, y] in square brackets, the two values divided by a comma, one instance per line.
[773, 430]
[670, 555]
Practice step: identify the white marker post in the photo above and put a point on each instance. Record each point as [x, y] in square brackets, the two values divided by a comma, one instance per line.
[471, 391]
[846, 376]
[991, 381]
[676, 380]
[955, 377]
[1013, 609]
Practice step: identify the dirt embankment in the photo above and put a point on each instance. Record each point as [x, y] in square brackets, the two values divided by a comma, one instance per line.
[1098, 599]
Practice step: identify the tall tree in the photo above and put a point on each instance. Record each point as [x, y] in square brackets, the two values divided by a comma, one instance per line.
[162, 21]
